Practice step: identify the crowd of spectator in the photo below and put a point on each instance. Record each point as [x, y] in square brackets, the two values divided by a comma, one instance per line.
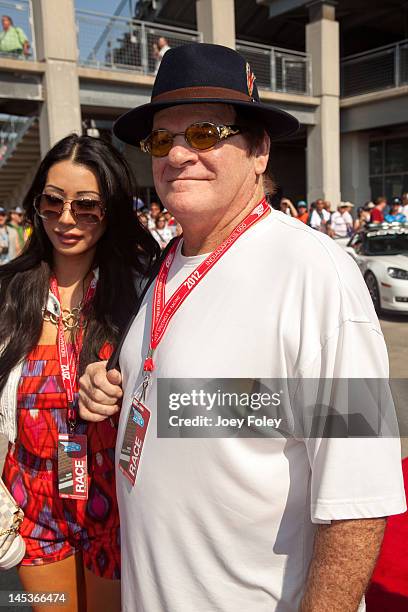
[163, 226]
[160, 222]
[341, 223]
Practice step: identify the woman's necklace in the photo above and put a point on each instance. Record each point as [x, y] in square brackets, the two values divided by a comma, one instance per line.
[70, 318]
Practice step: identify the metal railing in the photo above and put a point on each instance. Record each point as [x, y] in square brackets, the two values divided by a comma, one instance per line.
[11, 133]
[21, 15]
[382, 68]
[277, 69]
[115, 43]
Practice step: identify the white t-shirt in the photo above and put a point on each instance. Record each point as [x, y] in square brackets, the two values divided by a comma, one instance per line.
[405, 210]
[228, 524]
[316, 221]
[340, 223]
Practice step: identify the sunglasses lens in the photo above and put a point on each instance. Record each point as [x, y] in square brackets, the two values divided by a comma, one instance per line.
[49, 206]
[160, 143]
[202, 136]
[88, 212]
[85, 212]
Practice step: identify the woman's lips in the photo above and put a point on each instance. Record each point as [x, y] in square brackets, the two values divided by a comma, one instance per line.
[68, 238]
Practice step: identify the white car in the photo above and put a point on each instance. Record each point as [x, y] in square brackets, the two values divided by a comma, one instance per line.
[381, 253]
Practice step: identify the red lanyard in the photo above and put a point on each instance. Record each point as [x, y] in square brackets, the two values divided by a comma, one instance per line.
[69, 363]
[162, 311]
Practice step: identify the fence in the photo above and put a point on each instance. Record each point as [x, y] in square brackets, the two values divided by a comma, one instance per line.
[278, 69]
[112, 42]
[382, 68]
[21, 15]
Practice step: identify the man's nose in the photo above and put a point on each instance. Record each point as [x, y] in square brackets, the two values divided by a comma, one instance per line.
[181, 153]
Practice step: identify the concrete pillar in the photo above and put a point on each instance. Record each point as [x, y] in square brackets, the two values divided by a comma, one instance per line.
[323, 139]
[55, 31]
[216, 20]
[355, 181]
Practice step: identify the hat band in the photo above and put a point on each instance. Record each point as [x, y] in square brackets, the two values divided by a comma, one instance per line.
[190, 93]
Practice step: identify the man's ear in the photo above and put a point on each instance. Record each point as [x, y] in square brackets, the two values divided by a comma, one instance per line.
[262, 155]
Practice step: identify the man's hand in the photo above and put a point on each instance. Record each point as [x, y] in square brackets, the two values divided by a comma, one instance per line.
[343, 560]
[100, 392]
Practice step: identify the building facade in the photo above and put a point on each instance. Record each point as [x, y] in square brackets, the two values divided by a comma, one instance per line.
[340, 67]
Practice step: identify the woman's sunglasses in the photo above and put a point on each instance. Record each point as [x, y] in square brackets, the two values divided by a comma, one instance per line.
[199, 136]
[85, 211]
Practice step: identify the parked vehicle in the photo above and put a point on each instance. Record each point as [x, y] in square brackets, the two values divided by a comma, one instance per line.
[381, 253]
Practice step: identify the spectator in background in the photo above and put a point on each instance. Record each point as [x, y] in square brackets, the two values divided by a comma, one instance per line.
[287, 207]
[171, 222]
[377, 213]
[9, 248]
[13, 41]
[341, 222]
[159, 49]
[138, 203]
[320, 217]
[404, 199]
[303, 214]
[143, 218]
[328, 207]
[394, 215]
[363, 217]
[154, 212]
[161, 232]
[16, 221]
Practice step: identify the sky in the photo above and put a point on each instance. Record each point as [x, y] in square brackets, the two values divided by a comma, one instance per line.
[105, 6]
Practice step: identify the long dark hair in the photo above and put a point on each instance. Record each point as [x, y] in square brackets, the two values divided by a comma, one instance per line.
[124, 253]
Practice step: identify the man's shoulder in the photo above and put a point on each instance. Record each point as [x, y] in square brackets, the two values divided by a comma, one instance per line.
[303, 248]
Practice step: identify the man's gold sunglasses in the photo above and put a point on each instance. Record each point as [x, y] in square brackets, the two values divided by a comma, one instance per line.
[199, 136]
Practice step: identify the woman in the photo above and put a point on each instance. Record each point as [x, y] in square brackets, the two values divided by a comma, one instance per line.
[64, 302]
[162, 233]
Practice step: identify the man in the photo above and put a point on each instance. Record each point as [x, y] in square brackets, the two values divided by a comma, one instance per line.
[404, 199]
[16, 222]
[159, 49]
[328, 206]
[9, 248]
[395, 215]
[320, 217]
[13, 41]
[303, 214]
[288, 208]
[154, 212]
[228, 523]
[341, 222]
[377, 213]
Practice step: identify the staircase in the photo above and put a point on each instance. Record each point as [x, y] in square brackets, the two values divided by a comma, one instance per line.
[19, 153]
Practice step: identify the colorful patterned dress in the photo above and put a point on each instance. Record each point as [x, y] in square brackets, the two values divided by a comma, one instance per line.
[54, 528]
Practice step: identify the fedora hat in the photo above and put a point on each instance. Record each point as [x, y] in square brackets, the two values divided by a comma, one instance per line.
[203, 73]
